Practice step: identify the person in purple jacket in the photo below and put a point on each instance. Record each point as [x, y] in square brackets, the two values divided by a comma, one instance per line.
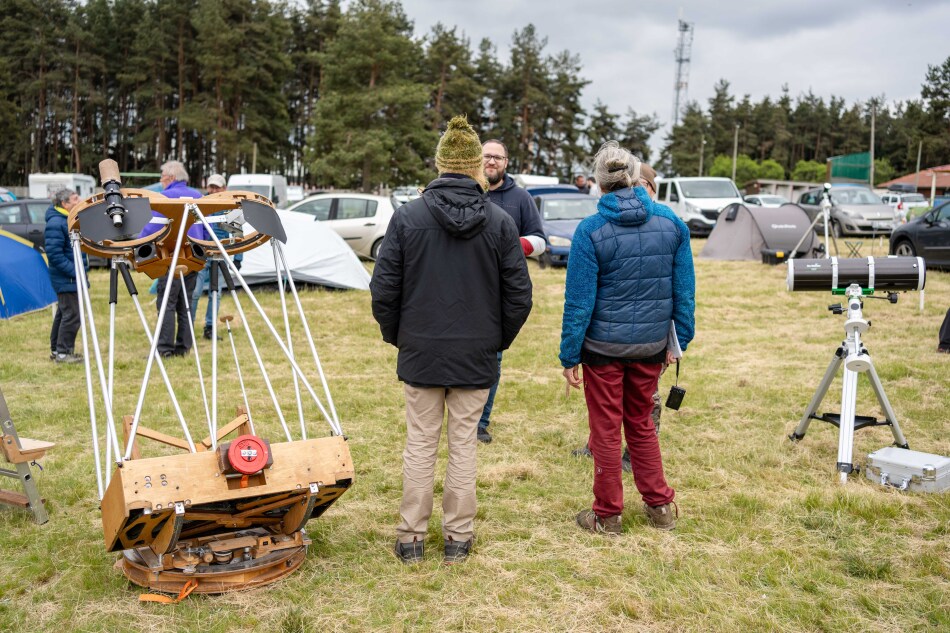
[171, 342]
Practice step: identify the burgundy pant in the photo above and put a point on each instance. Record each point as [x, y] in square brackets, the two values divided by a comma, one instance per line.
[621, 395]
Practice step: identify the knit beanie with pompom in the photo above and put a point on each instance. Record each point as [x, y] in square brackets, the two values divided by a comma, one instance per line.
[459, 150]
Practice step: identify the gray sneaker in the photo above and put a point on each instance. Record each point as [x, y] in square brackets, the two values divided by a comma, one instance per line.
[68, 359]
[411, 552]
[583, 451]
[457, 551]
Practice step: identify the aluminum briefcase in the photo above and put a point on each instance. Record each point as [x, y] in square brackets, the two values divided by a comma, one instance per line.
[908, 470]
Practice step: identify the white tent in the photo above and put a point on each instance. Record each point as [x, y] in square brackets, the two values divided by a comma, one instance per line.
[315, 254]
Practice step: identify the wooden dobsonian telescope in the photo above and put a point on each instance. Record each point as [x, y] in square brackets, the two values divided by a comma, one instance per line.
[228, 511]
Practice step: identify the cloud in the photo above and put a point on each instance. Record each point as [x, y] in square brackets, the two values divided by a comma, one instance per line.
[855, 49]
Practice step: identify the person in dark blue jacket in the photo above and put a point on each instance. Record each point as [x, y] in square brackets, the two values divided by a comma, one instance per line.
[62, 274]
[629, 301]
[519, 204]
[171, 343]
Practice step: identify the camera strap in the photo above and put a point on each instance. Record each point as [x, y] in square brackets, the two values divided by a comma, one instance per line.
[677, 381]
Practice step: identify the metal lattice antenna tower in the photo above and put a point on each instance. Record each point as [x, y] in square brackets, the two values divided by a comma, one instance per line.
[681, 54]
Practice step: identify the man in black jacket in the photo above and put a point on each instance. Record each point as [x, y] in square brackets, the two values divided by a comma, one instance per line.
[519, 204]
[450, 290]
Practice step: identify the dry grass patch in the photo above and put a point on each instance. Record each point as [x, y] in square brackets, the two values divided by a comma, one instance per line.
[767, 540]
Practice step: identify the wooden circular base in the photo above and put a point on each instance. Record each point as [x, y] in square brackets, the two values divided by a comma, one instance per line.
[166, 574]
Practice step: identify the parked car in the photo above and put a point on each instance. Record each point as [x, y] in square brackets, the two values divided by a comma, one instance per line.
[927, 236]
[26, 218]
[560, 215]
[697, 201]
[855, 210]
[402, 195]
[360, 219]
[908, 205]
[766, 200]
[537, 190]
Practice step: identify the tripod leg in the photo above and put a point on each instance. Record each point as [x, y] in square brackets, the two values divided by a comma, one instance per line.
[802, 427]
[849, 392]
[899, 438]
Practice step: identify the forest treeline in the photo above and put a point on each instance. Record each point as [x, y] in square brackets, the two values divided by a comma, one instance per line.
[355, 98]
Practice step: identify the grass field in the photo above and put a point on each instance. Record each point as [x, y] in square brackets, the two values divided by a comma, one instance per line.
[767, 539]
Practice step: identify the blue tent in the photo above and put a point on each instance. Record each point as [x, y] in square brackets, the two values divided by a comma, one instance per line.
[24, 277]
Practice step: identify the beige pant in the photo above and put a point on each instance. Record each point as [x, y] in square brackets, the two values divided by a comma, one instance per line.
[425, 410]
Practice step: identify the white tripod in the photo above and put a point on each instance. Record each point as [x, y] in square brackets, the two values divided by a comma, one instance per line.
[856, 360]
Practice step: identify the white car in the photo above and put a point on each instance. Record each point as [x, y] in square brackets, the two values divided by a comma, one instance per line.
[907, 205]
[766, 200]
[697, 201]
[360, 219]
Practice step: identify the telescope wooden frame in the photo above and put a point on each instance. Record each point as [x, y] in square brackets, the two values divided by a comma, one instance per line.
[155, 501]
[163, 240]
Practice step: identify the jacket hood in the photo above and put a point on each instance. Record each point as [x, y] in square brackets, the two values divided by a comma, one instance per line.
[626, 207]
[53, 212]
[507, 183]
[459, 205]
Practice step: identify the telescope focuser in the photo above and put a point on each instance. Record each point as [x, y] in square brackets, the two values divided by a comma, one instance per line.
[111, 183]
[836, 308]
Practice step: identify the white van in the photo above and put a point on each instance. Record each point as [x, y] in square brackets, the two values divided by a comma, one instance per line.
[271, 186]
[45, 185]
[697, 201]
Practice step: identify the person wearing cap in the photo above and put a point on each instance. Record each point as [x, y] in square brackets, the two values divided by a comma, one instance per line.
[519, 204]
[450, 289]
[630, 284]
[216, 184]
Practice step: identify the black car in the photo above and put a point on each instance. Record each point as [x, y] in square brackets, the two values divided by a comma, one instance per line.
[927, 236]
[25, 218]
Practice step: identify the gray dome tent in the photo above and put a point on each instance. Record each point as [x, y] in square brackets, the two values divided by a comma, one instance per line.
[743, 233]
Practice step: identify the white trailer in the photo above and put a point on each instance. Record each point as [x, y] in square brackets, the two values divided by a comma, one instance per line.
[45, 185]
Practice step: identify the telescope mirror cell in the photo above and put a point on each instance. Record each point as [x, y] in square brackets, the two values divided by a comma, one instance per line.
[870, 273]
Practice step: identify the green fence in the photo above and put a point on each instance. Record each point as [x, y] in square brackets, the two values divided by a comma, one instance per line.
[850, 167]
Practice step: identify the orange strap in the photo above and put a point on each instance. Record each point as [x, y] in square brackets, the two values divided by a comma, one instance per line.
[156, 597]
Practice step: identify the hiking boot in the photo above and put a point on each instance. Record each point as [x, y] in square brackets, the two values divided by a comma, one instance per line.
[68, 359]
[208, 333]
[663, 517]
[484, 436]
[606, 525]
[52, 355]
[583, 451]
[943, 350]
[411, 552]
[625, 463]
[457, 551]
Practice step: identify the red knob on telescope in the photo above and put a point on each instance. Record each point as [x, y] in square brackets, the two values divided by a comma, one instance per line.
[248, 454]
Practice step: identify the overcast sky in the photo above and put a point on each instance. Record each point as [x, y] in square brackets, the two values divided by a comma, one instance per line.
[854, 49]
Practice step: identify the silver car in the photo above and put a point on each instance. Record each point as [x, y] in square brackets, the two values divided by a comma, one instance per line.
[855, 210]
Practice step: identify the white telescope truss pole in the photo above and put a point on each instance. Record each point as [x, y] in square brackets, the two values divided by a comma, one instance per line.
[80, 289]
[86, 303]
[306, 329]
[194, 344]
[153, 349]
[333, 425]
[290, 342]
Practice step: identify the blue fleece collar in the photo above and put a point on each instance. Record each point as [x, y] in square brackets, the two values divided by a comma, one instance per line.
[627, 207]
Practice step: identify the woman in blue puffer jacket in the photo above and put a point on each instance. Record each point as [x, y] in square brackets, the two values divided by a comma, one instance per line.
[630, 292]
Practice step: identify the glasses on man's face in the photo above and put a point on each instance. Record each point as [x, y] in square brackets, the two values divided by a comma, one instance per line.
[493, 158]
